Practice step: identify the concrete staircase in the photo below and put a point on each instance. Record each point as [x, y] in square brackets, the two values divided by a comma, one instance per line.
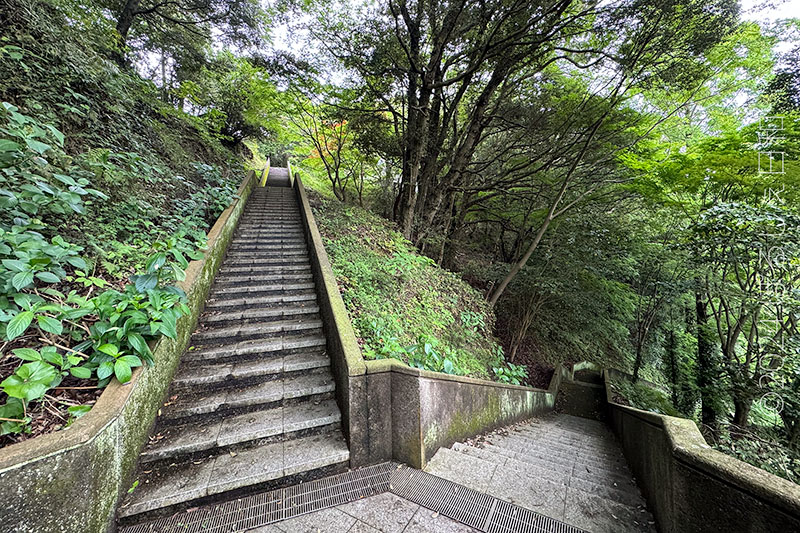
[252, 404]
[562, 466]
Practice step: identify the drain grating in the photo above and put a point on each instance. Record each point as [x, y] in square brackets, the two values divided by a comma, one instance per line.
[471, 507]
[276, 505]
[462, 504]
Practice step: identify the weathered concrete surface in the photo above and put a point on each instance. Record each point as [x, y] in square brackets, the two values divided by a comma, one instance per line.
[342, 343]
[564, 467]
[71, 480]
[385, 512]
[587, 400]
[691, 487]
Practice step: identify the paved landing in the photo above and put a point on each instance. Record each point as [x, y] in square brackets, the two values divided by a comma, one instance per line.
[386, 513]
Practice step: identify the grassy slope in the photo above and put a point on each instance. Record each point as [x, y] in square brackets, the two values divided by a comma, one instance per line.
[397, 298]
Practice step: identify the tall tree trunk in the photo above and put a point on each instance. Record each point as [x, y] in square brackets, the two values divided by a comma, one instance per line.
[706, 373]
[672, 357]
[741, 410]
[125, 20]
[551, 214]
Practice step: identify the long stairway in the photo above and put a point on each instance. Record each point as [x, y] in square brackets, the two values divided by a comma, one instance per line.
[565, 467]
[252, 403]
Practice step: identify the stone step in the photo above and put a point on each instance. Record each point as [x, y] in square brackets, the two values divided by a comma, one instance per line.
[572, 429]
[300, 299]
[222, 282]
[237, 292]
[256, 246]
[299, 310]
[563, 455]
[570, 451]
[255, 288]
[265, 252]
[267, 261]
[256, 243]
[215, 334]
[214, 436]
[598, 475]
[215, 375]
[273, 233]
[624, 492]
[254, 349]
[168, 488]
[253, 270]
[235, 399]
[555, 438]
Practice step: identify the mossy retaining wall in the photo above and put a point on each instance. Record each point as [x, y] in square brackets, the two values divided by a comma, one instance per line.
[70, 481]
[391, 411]
[690, 487]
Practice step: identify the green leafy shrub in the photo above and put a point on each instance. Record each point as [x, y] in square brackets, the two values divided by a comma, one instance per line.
[87, 334]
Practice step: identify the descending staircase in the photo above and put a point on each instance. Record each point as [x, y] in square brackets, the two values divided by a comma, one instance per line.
[252, 403]
[565, 467]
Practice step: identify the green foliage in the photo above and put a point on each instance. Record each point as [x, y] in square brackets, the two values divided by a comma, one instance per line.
[764, 447]
[435, 321]
[96, 337]
[644, 397]
[511, 373]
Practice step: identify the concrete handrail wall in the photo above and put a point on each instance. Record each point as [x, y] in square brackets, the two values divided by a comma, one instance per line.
[691, 487]
[391, 411]
[71, 481]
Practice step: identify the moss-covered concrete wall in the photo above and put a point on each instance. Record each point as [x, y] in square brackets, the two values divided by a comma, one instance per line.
[690, 487]
[70, 481]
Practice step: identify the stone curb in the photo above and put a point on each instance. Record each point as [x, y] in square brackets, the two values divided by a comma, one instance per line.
[690, 486]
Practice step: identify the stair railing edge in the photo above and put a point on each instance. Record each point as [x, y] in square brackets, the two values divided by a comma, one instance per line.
[665, 451]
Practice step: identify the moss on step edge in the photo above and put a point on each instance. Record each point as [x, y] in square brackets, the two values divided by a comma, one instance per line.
[70, 481]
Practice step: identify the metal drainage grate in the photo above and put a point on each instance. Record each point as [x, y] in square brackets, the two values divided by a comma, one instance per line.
[276, 505]
[471, 507]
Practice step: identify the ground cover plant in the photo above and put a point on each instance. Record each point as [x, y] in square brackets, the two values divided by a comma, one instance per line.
[402, 305]
[67, 322]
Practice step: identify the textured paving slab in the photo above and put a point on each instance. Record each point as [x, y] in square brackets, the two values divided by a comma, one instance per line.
[382, 498]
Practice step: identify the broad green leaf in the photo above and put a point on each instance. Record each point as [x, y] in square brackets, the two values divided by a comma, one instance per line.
[27, 354]
[22, 280]
[37, 146]
[122, 370]
[139, 344]
[109, 349]
[131, 360]
[52, 356]
[9, 146]
[77, 262]
[155, 262]
[14, 264]
[48, 277]
[50, 325]
[105, 370]
[145, 282]
[30, 381]
[19, 324]
[80, 372]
